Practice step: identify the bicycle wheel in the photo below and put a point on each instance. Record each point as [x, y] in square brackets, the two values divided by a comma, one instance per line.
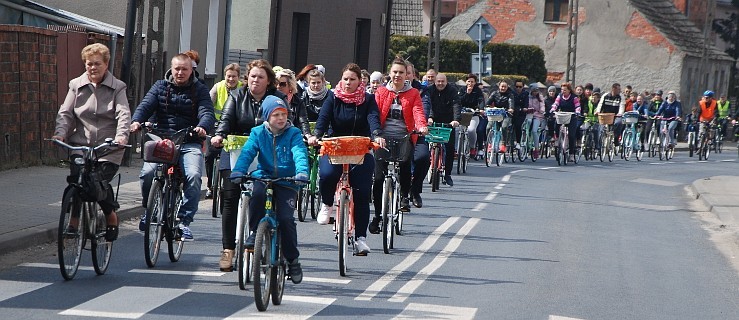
[706, 153]
[611, 148]
[342, 222]
[639, 149]
[387, 206]
[523, 153]
[100, 248]
[651, 144]
[691, 144]
[719, 142]
[243, 256]
[661, 150]
[154, 223]
[627, 143]
[216, 189]
[70, 237]
[262, 268]
[175, 242]
[279, 275]
[399, 222]
[490, 147]
[435, 168]
[303, 203]
[460, 150]
[465, 157]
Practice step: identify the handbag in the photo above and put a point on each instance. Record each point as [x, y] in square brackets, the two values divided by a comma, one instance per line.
[94, 187]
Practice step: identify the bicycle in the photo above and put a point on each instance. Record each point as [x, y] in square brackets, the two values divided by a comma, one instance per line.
[607, 148]
[653, 138]
[562, 154]
[545, 143]
[705, 132]
[495, 135]
[666, 150]
[718, 137]
[309, 196]
[78, 204]
[165, 195]
[215, 187]
[463, 145]
[510, 143]
[588, 148]
[631, 140]
[244, 256]
[348, 150]
[527, 138]
[439, 134]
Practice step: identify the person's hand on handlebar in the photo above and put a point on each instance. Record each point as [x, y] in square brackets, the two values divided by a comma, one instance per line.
[312, 141]
[216, 141]
[424, 130]
[120, 140]
[454, 123]
[135, 126]
[201, 132]
[60, 138]
[380, 141]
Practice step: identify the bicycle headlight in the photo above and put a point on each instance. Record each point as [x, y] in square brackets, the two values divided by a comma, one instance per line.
[79, 161]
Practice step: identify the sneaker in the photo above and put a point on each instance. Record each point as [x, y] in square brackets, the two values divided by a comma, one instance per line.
[480, 153]
[294, 271]
[416, 198]
[226, 263]
[405, 204]
[325, 215]
[362, 248]
[209, 194]
[249, 243]
[448, 180]
[536, 154]
[142, 222]
[473, 152]
[186, 233]
[374, 226]
[518, 146]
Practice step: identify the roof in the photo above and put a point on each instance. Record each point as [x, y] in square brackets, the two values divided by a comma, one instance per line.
[676, 27]
[456, 29]
[42, 10]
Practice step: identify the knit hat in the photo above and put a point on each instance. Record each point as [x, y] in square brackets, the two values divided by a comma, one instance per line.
[376, 76]
[552, 88]
[321, 68]
[270, 104]
[596, 90]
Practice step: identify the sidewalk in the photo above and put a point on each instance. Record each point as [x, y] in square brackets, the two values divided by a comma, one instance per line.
[720, 194]
[31, 202]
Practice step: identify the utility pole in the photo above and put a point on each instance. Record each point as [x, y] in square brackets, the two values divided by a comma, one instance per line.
[432, 60]
[707, 27]
[572, 42]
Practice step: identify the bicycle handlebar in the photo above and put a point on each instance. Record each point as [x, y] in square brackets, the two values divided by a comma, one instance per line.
[109, 142]
[246, 177]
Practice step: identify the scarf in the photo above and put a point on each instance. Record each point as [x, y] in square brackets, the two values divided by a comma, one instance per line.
[316, 95]
[356, 97]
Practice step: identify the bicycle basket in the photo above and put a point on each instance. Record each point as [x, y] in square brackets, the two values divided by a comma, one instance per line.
[495, 114]
[345, 150]
[563, 117]
[606, 118]
[234, 142]
[396, 150]
[161, 151]
[439, 134]
[466, 119]
[631, 117]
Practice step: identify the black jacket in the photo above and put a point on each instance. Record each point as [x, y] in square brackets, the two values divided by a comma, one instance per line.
[298, 114]
[471, 100]
[442, 106]
[241, 114]
[502, 100]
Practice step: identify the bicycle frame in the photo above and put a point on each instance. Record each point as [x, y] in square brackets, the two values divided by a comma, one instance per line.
[344, 185]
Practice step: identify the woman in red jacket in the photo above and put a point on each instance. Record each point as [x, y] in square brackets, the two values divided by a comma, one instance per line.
[401, 112]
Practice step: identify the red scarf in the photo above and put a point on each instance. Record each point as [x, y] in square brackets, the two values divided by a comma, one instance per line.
[356, 97]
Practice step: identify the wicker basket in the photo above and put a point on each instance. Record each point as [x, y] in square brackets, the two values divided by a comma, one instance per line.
[563, 117]
[631, 117]
[346, 150]
[495, 114]
[439, 134]
[466, 119]
[606, 118]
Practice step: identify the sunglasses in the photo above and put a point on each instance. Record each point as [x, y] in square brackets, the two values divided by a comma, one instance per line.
[283, 84]
[519, 86]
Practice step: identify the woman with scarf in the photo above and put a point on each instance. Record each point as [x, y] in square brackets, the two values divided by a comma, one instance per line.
[297, 115]
[401, 112]
[315, 93]
[241, 113]
[348, 111]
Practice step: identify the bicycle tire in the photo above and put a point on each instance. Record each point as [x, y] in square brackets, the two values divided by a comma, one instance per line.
[100, 248]
[399, 223]
[216, 189]
[279, 275]
[627, 143]
[387, 206]
[243, 256]
[435, 171]
[262, 268]
[154, 223]
[465, 155]
[303, 203]
[394, 210]
[69, 240]
[460, 151]
[523, 153]
[175, 243]
[490, 147]
[611, 148]
[342, 221]
[706, 153]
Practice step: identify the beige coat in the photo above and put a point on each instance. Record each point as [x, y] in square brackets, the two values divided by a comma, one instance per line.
[91, 114]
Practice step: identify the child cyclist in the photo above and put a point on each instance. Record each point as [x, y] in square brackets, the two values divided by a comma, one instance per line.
[280, 152]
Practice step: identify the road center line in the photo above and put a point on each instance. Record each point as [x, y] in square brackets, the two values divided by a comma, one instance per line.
[547, 168]
[517, 171]
[480, 206]
[500, 186]
[491, 196]
[435, 264]
[414, 256]
[506, 178]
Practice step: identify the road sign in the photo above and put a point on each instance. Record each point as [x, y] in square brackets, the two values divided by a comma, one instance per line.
[487, 63]
[482, 31]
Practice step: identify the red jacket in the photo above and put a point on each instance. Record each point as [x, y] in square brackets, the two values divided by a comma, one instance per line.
[412, 108]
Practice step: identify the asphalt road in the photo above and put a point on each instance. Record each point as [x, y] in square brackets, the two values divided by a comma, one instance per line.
[523, 241]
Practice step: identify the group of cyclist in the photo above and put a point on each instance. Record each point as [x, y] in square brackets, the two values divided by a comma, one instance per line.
[274, 107]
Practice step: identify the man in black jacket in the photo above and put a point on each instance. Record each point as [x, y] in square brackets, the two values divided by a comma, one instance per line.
[442, 105]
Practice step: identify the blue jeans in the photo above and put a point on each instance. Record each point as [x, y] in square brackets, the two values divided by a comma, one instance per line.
[192, 164]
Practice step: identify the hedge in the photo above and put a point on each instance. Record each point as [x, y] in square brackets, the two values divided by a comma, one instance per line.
[508, 59]
[492, 80]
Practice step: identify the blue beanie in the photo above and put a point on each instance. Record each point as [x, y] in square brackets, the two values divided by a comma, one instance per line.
[270, 104]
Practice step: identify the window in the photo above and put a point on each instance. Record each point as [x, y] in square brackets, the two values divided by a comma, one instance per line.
[362, 43]
[555, 10]
[299, 41]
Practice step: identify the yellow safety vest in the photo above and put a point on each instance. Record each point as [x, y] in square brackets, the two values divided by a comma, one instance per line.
[222, 97]
[723, 110]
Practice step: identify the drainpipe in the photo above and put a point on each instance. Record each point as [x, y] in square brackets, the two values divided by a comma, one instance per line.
[227, 36]
[128, 40]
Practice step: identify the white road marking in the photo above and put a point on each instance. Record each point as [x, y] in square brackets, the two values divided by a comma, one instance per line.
[547, 168]
[13, 289]
[506, 178]
[292, 307]
[500, 186]
[491, 196]
[480, 206]
[125, 302]
[179, 273]
[434, 311]
[326, 280]
[663, 183]
[435, 264]
[50, 266]
[645, 206]
[729, 160]
[553, 317]
[657, 163]
[517, 171]
[412, 258]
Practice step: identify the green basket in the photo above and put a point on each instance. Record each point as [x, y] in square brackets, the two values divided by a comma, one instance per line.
[234, 142]
[312, 125]
[438, 134]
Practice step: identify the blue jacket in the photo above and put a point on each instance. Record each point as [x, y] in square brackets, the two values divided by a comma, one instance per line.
[643, 109]
[281, 155]
[348, 119]
[175, 107]
[669, 110]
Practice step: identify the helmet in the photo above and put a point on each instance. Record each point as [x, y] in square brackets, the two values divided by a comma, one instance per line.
[708, 93]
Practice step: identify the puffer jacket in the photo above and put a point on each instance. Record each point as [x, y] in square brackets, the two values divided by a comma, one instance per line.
[348, 119]
[442, 106]
[177, 107]
[410, 99]
[239, 115]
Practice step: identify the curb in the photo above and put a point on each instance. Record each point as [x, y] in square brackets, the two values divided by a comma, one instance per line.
[727, 214]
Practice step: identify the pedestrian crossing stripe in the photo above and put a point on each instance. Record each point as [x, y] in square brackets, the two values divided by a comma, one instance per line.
[433, 311]
[292, 307]
[13, 289]
[125, 302]
[51, 266]
[179, 273]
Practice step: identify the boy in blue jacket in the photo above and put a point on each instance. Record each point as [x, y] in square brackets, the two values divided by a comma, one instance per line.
[280, 152]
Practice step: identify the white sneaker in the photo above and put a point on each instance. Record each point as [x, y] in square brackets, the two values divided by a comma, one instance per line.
[324, 216]
[518, 146]
[480, 153]
[362, 248]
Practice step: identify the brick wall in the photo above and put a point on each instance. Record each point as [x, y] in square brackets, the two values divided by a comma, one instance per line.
[503, 16]
[640, 28]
